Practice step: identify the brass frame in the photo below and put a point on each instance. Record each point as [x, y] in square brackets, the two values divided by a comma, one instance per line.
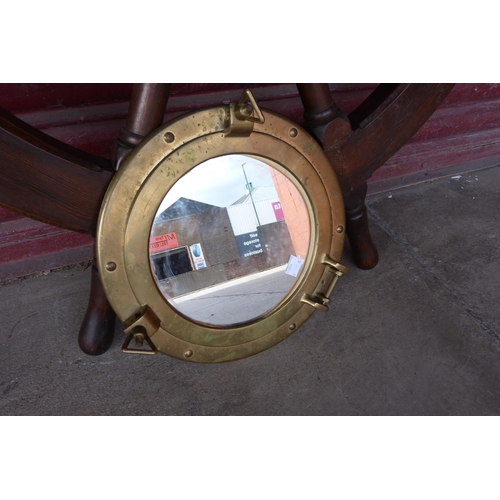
[136, 192]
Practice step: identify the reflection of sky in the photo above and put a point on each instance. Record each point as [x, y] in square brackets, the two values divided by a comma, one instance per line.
[219, 181]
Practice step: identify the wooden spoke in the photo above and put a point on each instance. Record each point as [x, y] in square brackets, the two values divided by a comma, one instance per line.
[360, 143]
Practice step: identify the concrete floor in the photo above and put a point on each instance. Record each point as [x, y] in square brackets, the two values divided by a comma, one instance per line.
[417, 335]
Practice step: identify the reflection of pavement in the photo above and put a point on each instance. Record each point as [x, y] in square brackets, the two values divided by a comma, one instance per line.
[238, 300]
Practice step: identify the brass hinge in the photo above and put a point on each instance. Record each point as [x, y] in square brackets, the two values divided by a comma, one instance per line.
[240, 116]
[139, 329]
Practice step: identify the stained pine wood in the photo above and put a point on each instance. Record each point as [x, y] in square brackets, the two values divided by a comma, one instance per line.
[97, 330]
[359, 144]
[386, 129]
[47, 180]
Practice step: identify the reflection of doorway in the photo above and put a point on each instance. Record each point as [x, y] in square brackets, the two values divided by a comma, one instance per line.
[172, 263]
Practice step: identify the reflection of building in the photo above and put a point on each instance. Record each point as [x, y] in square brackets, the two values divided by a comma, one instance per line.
[294, 212]
[192, 223]
[258, 224]
[194, 245]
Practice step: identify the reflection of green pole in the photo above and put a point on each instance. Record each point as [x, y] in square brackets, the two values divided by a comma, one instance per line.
[254, 209]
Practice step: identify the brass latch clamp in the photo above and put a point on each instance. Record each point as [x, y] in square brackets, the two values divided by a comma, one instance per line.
[321, 297]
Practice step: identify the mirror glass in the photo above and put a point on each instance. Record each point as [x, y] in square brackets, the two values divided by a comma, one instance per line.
[229, 240]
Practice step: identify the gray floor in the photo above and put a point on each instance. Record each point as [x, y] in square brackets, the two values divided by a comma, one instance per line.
[417, 335]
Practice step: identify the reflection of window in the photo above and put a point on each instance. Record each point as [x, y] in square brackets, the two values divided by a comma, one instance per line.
[172, 263]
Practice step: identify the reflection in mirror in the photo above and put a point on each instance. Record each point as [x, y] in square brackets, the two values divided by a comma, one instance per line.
[228, 240]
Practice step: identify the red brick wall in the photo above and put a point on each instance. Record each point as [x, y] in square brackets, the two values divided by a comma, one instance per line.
[295, 212]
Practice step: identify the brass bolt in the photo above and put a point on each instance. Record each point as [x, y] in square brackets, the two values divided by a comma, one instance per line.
[138, 339]
[293, 132]
[111, 266]
[292, 326]
[188, 353]
[169, 137]
[340, 229]
[246, 110]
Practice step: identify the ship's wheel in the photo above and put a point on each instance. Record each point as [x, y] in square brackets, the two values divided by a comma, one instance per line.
[328, 161]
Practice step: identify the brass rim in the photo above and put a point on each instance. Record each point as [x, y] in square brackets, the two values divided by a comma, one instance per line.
[130, 205]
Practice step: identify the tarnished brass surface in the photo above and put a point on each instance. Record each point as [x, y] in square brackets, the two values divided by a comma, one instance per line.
[240, 116]
[136, 192]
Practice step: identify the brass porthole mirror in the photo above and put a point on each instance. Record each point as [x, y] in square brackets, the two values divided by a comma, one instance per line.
[220, 235]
